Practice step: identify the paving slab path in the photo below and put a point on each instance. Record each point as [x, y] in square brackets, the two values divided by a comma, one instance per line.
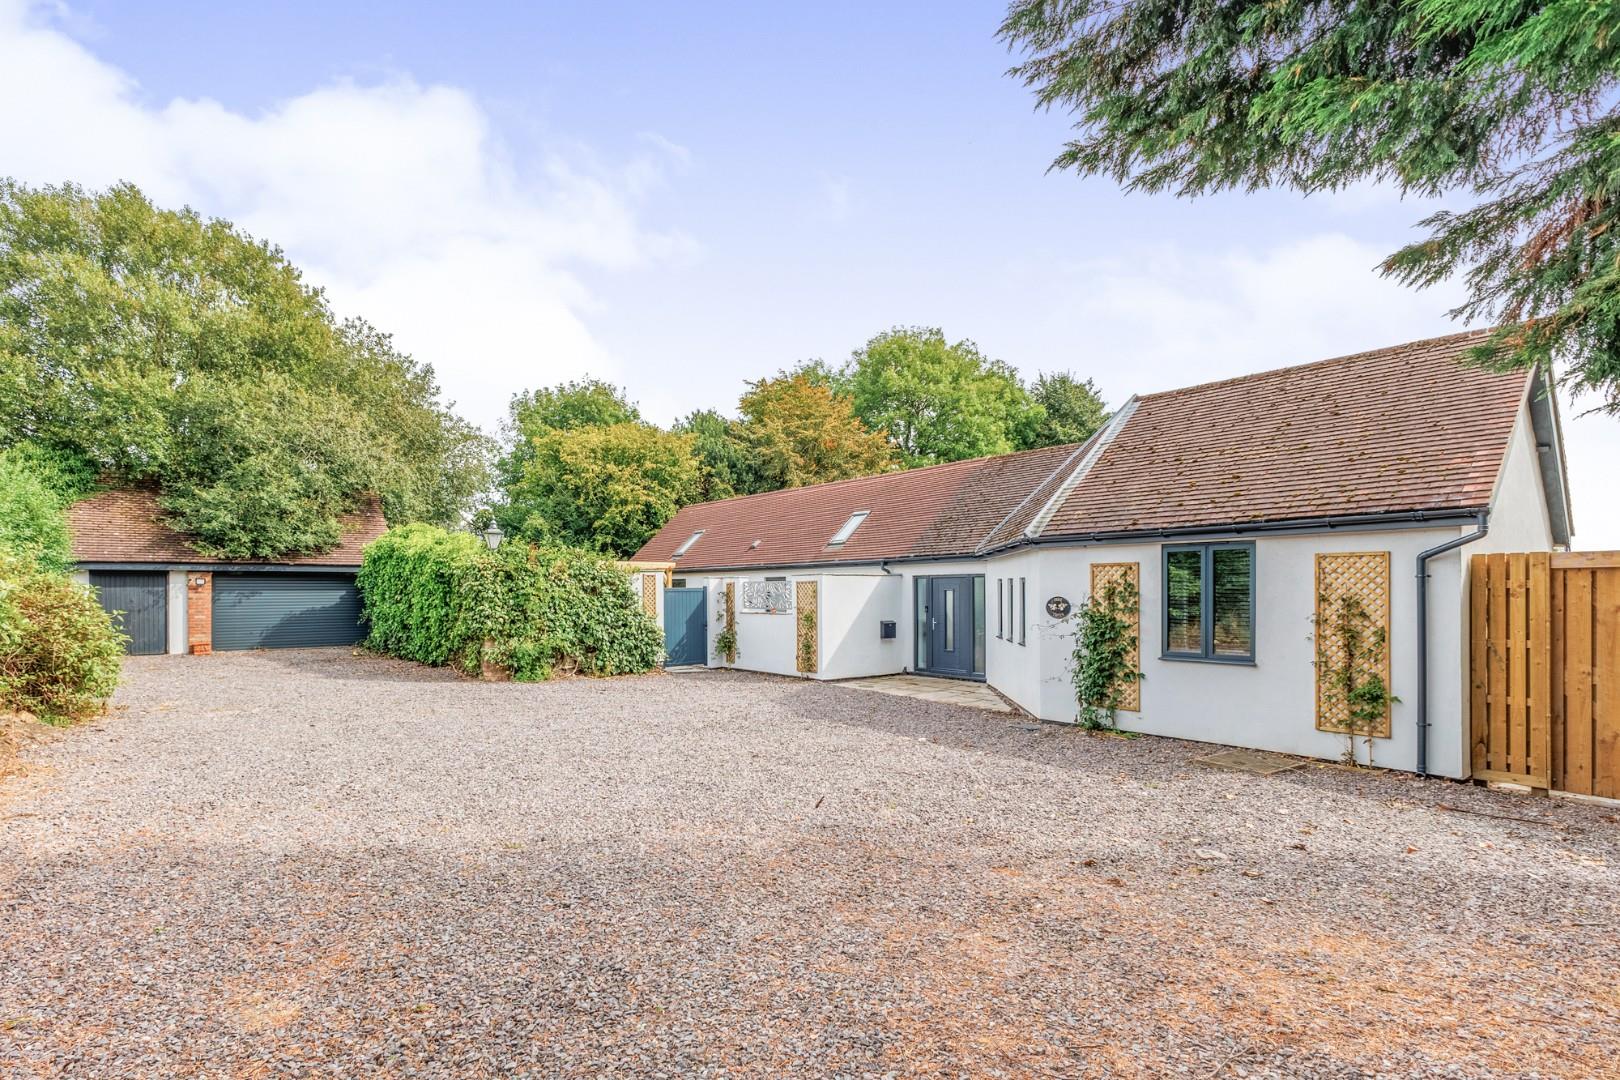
[315, 863]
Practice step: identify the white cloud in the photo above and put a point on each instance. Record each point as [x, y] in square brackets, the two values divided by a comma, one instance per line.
[1169, 317]
[398, 198]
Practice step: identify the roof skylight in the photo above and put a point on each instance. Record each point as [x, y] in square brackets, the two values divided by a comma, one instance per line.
[690, 540]
[847, 530]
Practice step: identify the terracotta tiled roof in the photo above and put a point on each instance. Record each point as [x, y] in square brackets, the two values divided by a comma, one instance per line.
[936, 512]
[125, 525]
[1400, 429]
[1012, 527]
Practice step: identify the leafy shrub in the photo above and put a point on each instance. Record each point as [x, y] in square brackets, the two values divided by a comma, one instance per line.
[443, 598]
[33, 524]
[59, 653]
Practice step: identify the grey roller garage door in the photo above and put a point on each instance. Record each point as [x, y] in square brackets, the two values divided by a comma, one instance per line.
[139, 605]
[285, 610]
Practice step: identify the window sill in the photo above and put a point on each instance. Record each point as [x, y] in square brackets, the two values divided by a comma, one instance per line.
[1234, 661]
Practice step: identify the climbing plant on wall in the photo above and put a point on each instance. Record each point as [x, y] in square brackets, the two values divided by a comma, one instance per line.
[1103, 665]
[1352, 648]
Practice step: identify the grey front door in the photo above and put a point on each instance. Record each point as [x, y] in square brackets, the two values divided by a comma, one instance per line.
[686, 626]
[950, 625]
[139, 605]
[283, 610]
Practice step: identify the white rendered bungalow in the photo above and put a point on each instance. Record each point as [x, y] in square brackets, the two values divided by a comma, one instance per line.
[1259, 499]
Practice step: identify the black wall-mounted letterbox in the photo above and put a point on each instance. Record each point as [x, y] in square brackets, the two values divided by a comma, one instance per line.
[886, 629]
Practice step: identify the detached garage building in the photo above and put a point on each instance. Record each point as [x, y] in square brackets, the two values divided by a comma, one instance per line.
[171, 599]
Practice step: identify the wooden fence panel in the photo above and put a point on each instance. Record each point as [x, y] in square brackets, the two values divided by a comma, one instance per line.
[1605, 666]
[1575, 708]
[1544, 670]
[1511, 698]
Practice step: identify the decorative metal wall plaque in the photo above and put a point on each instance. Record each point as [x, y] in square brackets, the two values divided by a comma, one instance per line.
[767, 596]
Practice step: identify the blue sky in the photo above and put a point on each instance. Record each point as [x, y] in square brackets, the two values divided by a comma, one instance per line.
[681, 197]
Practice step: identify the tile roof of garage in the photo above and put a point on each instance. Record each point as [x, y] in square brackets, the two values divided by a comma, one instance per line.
[1408, 428]
[1404, 429]
[125, 525]
[935, 512]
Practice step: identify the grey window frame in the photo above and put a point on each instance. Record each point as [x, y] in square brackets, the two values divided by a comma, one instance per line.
[1023, 610]
[1206, 603]
[1001, 611]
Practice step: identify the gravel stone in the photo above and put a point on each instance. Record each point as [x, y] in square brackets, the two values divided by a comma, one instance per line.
[315, 863]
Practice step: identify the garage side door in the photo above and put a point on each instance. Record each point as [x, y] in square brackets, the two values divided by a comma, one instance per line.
[139, 605]
[285, 611]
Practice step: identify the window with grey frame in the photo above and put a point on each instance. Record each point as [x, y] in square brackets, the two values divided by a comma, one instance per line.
[1001, 612]
[1023, 611]
[1209, 602]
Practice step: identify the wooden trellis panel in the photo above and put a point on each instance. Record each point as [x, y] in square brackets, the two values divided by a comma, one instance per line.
[806, 612]
[1365, 576]
[731, 605]
[1103, 575]
[649, 594]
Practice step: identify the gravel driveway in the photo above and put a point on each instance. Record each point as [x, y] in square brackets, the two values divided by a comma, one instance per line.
[313, 863]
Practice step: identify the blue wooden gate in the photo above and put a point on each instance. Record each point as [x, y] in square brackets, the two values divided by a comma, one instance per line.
[686, 626]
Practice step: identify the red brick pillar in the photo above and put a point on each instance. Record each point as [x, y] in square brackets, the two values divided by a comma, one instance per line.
[200, 612]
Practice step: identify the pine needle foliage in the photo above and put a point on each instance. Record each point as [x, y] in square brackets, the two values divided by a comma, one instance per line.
[1511, 100]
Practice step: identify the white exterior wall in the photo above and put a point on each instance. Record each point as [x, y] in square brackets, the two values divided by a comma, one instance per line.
[1016, 669]
[853, 607]
[177, 629]
[854, 600]
[766, 641]
[1271, 703]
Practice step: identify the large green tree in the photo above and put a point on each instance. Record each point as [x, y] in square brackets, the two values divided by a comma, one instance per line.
[157, 345]
[1068, 410]
[1515, 102]
[567, 406]
[799, 432]
[607, 487]
[937, 400]
[725, 465]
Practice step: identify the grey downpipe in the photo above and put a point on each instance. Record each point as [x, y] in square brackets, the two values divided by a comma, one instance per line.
[1483, 527]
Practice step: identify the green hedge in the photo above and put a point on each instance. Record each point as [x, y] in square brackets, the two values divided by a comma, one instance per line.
[443, 598]
[59, 654]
